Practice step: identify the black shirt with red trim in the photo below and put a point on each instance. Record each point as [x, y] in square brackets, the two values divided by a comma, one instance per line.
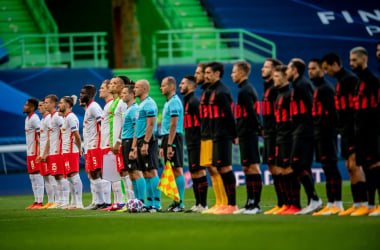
[301, 107]
[345, 90]
[284, 126]
[324, 112]
[191, 121]
[203, 112]
[366, 104]
[247, 110]
[268, 108]
[221, 113]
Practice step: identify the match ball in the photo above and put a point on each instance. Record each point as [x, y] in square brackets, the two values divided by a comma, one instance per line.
[134, 205]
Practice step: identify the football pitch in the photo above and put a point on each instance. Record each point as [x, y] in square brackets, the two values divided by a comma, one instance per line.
[80, 229]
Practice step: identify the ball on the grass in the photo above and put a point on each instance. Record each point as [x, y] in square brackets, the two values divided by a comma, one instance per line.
[134, 205]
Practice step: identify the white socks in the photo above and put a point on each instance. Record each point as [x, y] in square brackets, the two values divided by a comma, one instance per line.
[107, 191]
[50, 187]
[98, 188]
[63, 191]
[128, 187]
[38, 187]
[92, 186]
[117, 192]
[76, 190]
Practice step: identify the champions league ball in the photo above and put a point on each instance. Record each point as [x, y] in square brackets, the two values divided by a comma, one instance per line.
[134, 205]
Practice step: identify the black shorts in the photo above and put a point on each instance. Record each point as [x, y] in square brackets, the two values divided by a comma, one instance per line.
[367, 150]
[126, 146]
[193, 155]
[283, 152]
[326, 149]
[222, 153]
[302, 153]
[150, 161]
[269, 152]
[249, 150]
[347, 145]
[177, 159]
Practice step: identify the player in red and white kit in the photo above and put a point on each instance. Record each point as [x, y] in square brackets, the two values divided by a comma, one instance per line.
[92, 138]
[105, 144]
[32, 129]
[53, 153]
[71, 149]
[116, 110]
[105, 93]
[50, 183]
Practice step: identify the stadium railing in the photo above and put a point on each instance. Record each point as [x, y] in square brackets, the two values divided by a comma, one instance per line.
[88, 49]
[10, 149]
[225, 45]
[42, 16]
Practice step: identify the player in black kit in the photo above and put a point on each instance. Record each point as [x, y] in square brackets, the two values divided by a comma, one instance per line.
[223, 131]
[325, 137]
[193, 141]
[367, 126]
[302, 120]
[269, 128]
[206, 142]
[344, 104]
[284, 137]
[248, 129]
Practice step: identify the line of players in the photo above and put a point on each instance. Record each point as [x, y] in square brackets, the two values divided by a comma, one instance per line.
[295, 120]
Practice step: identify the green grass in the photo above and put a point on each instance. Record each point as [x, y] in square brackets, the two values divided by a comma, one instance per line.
[79, 229]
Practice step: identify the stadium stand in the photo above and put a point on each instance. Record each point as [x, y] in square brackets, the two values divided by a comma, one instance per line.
[297, 26]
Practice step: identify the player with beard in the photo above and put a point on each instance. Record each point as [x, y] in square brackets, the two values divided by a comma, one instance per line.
[223, 132]
[91, 139]
[367, 127]
[269, 130]
[32, 130]
[192, 127]
[206, 142]
[302, 120]
[325, 137]
[71, 149]
[344, 93]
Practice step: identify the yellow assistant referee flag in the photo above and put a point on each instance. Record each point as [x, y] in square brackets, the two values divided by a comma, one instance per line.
[167, 183]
